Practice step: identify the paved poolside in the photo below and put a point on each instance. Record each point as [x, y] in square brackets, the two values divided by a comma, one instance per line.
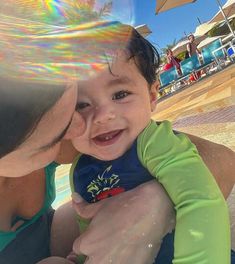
[206, 108]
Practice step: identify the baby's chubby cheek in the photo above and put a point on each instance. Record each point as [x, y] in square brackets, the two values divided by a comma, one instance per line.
[80, 143]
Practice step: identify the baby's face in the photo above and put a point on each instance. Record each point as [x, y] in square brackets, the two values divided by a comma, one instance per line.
[116, 107]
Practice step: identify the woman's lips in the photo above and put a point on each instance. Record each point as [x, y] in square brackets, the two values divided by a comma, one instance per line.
[107, 138]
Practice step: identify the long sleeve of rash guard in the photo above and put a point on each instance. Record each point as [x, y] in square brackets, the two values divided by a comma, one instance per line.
[202, 234]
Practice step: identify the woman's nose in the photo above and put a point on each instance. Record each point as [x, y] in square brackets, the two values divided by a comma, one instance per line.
[76, 128]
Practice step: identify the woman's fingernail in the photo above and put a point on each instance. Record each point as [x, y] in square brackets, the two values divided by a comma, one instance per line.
[76, 197]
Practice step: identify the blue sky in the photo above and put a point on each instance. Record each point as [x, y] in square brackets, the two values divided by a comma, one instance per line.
[172, 24]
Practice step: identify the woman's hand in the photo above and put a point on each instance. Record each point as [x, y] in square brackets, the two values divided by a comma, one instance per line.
[127, 228]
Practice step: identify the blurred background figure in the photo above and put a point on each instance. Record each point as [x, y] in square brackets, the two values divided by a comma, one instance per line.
[173, 61]
[192, 47]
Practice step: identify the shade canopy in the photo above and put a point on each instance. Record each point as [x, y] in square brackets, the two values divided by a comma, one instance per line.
[207, 41]
[164, 5]
[229, 10]
[204, 28]
[226, 11]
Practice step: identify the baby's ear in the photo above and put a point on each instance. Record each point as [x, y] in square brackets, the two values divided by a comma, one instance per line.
[153, 95]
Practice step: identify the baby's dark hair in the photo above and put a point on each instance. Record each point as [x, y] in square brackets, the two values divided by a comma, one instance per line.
[136, 47]
[145, 55]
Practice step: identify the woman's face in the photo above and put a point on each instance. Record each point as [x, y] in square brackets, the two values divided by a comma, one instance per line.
[169, 53]
[43, 145]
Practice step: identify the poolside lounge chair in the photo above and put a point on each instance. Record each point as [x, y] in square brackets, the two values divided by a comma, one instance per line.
[190, 65]
[168, 77]
[231, 52]
[207, 52]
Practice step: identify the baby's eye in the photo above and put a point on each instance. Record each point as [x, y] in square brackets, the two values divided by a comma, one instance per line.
[80, 106]
[120, 95]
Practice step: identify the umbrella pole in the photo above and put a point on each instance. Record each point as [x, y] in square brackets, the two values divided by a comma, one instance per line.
[225, 17]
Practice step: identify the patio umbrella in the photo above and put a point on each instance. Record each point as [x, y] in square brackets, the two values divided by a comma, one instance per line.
[204, 28]
[163, 5]
[182, 45]
[144, 30]
[229, 10]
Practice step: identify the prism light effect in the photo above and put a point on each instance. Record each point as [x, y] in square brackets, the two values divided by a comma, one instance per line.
[58, 40]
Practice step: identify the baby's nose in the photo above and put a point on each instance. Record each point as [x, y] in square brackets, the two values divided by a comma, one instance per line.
[104, 114]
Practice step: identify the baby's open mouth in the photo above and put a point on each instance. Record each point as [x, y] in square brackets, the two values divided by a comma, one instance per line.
[108, 138]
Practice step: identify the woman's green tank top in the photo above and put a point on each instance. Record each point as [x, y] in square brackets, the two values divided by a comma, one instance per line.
[7, 237]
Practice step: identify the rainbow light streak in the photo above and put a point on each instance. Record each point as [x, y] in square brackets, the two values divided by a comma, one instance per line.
[54, 6]
[56, 40]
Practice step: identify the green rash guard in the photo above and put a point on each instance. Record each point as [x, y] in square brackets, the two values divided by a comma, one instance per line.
[202, 233]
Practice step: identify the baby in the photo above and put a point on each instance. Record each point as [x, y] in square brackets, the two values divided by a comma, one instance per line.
[123, 148]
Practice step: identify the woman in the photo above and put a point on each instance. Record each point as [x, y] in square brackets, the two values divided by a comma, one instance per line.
[173, 61]
[28, 143]
[34, 119]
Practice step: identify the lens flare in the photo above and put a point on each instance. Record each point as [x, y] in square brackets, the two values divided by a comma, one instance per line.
[57, 40]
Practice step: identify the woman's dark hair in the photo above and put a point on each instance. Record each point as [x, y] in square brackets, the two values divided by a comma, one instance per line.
[22, 105]
[145, 56]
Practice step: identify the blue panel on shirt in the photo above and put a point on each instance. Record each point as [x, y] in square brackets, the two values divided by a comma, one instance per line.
[96, 179]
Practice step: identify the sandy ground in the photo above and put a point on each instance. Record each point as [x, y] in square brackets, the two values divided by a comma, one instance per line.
[206, 109]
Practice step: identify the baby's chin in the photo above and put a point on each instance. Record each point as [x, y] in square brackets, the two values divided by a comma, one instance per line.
[106, 156]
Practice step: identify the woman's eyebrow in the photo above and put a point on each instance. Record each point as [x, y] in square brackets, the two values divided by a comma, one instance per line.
[56, 139]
